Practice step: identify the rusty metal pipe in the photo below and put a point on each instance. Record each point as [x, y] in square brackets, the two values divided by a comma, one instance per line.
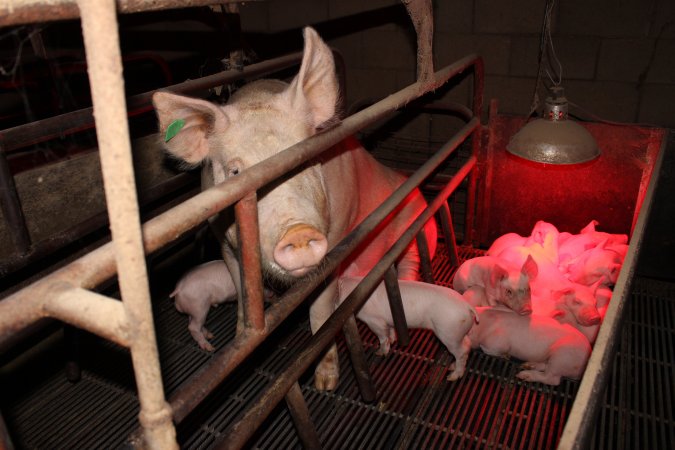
[449, 233]
[358, 357]
[104, 62]
[192, 392]
[238, 433]
[17, 12]
[246, 213]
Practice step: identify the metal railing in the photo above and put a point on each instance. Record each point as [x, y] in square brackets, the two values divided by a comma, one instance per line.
[65, 294]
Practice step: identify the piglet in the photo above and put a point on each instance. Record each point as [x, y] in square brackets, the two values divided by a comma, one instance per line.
[426, 305]
[551, 350]
[206, 285]
[503, 282]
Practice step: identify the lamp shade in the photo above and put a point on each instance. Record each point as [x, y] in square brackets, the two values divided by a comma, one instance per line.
[554, 139]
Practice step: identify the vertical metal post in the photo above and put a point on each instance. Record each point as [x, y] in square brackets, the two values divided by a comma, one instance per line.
[469, 232]
[449, 233]
[104, 62]
[396, 305]
[425, 257]
[246, 214]
[11, 206]
[358, 357]
[303, 422]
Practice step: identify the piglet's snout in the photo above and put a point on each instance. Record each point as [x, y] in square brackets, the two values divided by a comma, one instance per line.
[300, 249]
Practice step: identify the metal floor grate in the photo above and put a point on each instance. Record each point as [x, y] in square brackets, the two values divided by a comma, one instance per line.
[416, 407]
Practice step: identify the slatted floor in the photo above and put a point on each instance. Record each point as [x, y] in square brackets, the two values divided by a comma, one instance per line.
[415, 408]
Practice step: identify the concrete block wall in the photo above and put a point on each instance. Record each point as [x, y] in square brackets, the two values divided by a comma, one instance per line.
[618, 56]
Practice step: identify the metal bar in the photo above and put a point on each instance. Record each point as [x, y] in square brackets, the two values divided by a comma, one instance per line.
[396, 305]
[246, 213]
[478, 75]
[449, 233]
[43, 130]
[425, 257]
[192, 392]
[5, 440]
[236, 435]
[17, 12]
[90, 311]
[358, 357]
[11, 207]
[301, 418]
[581, 421]
[23, 307]
[104, 61]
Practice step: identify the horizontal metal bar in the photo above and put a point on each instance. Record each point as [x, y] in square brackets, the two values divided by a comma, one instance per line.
[236, 435]
[17, 12]
[43, 130]
[192, 392]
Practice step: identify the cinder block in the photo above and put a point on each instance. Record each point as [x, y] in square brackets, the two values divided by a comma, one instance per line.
[453, 16]
[609, 100]
[524, 56]
[395, 49]
[663, 18]
[285, 15]
[342, 8]
[624, 59]
[513, 93]
[577, 55]
[514, 16]
[255, 16]
[607, 18]
[662, 69]
[351, 48]
[494, 49]
[656, 105]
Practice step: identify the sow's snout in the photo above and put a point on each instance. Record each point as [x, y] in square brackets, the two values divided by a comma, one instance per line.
[300, 249]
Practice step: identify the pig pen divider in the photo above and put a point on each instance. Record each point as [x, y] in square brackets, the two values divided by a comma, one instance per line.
[39, 299]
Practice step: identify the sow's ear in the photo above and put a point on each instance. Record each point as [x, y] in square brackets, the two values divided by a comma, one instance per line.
[315, 88]
[190, 143]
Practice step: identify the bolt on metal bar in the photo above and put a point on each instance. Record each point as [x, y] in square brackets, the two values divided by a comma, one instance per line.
[239, 432]
[104, 61]
[202, 382]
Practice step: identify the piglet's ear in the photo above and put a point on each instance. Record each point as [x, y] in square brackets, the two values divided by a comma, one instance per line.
[530, 268]
[498, 274]
[199, 119]
[315, 88]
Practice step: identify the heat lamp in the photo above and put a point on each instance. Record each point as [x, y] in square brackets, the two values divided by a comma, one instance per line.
[554, 139]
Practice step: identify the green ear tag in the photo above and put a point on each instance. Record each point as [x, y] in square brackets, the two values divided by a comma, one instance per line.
[173, 129]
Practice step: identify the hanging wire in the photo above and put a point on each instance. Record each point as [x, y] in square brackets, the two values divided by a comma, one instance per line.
[550, 65]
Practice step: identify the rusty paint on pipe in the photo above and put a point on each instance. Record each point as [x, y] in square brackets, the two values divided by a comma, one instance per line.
[192, 392]
[236, 435]
[104, 62]
[246, 214]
